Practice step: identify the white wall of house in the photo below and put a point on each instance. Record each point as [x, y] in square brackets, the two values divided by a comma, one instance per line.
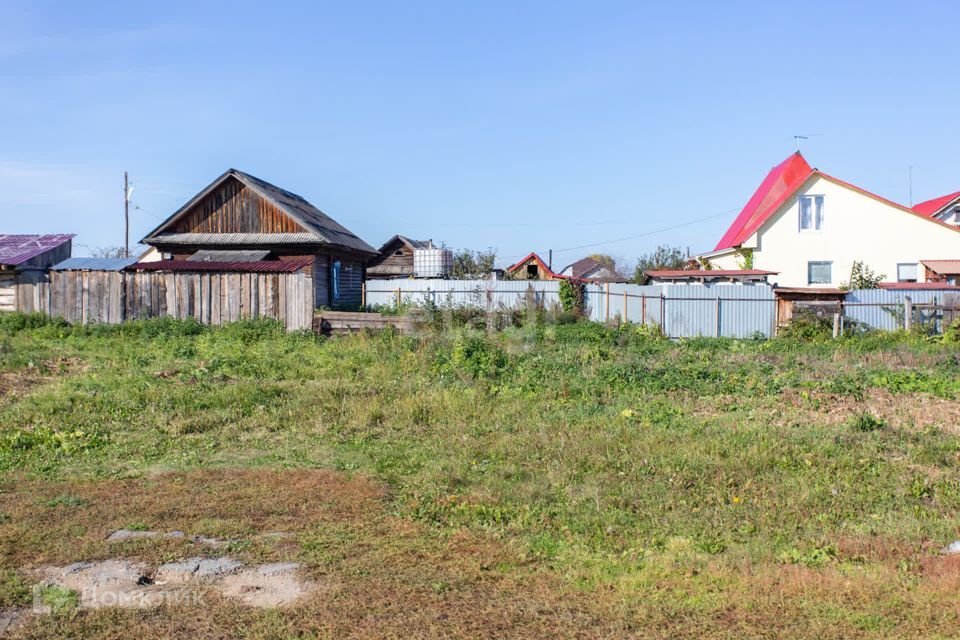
[855, 227]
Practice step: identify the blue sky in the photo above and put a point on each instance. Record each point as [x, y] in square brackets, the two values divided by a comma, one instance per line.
[515, 125]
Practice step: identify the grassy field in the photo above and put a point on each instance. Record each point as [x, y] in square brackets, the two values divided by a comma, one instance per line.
[545, 481]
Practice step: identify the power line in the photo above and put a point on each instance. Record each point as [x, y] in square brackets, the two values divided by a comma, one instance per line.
[648, 233]
[636, 236]
[152, 215]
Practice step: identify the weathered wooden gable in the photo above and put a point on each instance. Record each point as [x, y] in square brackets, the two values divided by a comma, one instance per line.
[232, 207]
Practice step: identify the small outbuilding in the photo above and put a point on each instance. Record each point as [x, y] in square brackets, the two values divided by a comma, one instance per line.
[25, 258]
[821, 301]
[590, 270]
[946, 271]
[395, 259]
[532, 267]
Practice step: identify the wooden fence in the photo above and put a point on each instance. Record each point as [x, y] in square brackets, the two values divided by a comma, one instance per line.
[112, 297]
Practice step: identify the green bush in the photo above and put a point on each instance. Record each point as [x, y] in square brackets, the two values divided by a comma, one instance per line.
[14, 322]
[866, 422]
[476, 356]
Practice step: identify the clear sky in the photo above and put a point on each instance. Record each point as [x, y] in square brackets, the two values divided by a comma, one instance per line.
[515, 125]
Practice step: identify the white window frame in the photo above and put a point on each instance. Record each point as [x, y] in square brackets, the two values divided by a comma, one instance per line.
[916, 273]
[815, 220]
[810, 264]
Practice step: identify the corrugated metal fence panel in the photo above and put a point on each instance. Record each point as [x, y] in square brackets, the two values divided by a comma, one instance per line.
[687, 310]
[635, 303]
[883, 308]
[485, 294]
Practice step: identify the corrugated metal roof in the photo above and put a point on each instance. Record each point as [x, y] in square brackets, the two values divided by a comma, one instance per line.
[307, 214]
[932, 207]
[410, 242]
[94, 264]
[18, 248]
[234, 239]
[582, 266]
[262, 266]
[321, 227]
[779, 184]
[227, 255]
[390, 270]
[943, 267]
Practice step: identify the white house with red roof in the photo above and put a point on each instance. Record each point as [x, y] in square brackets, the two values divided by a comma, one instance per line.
[810, 228]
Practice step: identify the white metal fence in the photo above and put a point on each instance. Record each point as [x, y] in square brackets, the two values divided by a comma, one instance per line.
[682, 311]
[483, 294]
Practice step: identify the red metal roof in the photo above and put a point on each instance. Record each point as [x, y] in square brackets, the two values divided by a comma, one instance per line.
[916, 285]
[779, 185]
[707, 273]
[931, 207]
[539, 260]
[17, 249]
[260, 266]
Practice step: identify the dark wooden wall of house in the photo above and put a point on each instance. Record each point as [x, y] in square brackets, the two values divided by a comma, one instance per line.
[233, 208]
[352, 276]
[390, 265]
[48, 258]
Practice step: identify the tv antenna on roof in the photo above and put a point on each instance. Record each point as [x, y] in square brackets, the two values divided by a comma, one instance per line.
[798, 138]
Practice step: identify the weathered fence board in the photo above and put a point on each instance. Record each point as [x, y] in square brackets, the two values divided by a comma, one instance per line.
[112, 297]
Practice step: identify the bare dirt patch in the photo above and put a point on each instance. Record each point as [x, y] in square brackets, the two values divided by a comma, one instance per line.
[902, 411]
[341, 566]
[128, 583]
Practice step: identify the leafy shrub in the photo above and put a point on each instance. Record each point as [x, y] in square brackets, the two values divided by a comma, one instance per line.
[951, 333]
[863, 277]
[815, 557]
[151, 328]
[250, 331]
[65, 442]
[866, 422]
[808, 326]
[571, 296]
[476, 356]
[14, 322]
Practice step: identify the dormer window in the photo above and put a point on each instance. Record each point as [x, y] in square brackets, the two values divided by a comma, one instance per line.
[811, 213]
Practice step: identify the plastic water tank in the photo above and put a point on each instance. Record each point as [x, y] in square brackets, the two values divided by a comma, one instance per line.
[432, 263]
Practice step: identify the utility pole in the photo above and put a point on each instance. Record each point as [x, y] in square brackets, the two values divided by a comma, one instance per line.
[126, 216]
[550, 259]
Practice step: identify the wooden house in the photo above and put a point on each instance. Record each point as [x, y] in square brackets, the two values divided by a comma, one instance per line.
[25, 258]
[240, 219]
[396, 258]
[532, 267]
[590, 270]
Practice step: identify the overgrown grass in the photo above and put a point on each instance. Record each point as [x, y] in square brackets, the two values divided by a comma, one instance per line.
[673, 475]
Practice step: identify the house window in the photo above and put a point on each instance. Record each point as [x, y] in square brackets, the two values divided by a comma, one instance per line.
[532, 272]
[907, 272]
[811, 213]
[820, 272]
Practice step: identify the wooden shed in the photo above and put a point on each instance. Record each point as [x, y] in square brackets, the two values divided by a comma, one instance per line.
[25, 258]
[396, 258]
[241, 218]
[822, 301]
[532, 267]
